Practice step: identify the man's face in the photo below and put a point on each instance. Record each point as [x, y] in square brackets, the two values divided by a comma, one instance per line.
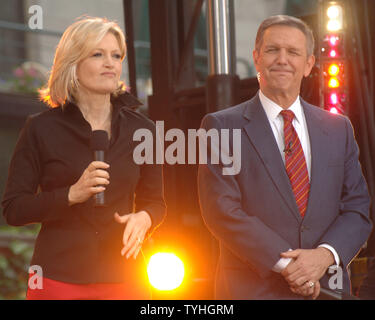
[282, 60]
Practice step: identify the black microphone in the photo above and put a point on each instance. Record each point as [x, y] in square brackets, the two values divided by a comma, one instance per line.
[99, 144]
[288, 149]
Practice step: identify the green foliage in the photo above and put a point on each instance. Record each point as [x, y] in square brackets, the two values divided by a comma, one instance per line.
[16, 251]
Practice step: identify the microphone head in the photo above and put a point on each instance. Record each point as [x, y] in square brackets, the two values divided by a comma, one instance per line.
[99, 140]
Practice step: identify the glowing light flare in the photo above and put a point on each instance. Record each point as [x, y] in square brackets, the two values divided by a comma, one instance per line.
[333, 12]
[333, 69]
[334, 25]
[333, 40]
[165, 271]
[333, 82]
[333, 53]
[333, 98]
[335, 15]
[333, 110]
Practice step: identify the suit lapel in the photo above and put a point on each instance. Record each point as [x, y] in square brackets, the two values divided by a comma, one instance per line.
[261, 136]
[319, 156]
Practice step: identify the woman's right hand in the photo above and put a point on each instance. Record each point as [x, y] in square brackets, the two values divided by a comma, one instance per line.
[92, 181]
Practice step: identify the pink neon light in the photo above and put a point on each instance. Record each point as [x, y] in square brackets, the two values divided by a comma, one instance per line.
[333, 110]
[333, 40]
[332, 53]
[334, 98]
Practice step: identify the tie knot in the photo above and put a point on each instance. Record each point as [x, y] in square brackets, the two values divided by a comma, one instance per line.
[287, 115]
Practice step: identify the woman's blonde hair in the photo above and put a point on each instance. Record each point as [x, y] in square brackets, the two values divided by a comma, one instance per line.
[78, 40]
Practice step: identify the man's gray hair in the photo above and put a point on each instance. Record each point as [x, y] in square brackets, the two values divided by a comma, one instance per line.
[283, 20]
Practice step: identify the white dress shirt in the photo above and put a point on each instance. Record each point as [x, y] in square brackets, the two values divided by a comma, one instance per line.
[299, 123]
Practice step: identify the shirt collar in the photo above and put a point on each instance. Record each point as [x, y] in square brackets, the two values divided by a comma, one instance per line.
[123, 100]
[273, 110]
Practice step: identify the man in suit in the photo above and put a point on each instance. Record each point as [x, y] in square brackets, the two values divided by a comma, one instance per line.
[299, 205]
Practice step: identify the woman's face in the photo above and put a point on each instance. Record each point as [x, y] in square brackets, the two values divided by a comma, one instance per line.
[100, 72]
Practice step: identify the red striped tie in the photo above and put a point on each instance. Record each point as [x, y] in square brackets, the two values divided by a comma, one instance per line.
[295, 163]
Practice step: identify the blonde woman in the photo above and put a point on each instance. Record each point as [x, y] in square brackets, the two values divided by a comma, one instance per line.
[84, 251]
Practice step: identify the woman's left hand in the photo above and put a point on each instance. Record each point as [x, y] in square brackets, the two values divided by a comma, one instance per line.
[136, 227]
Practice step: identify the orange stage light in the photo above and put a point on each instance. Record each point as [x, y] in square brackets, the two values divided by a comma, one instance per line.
[333, 70]
[333, 83]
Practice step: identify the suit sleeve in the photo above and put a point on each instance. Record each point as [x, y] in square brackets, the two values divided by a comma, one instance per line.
[22, 203]
[245, 235]
[350, 230]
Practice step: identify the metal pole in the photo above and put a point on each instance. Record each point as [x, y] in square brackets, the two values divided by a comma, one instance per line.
[221, 37]
[129, 30]
[222, 83]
